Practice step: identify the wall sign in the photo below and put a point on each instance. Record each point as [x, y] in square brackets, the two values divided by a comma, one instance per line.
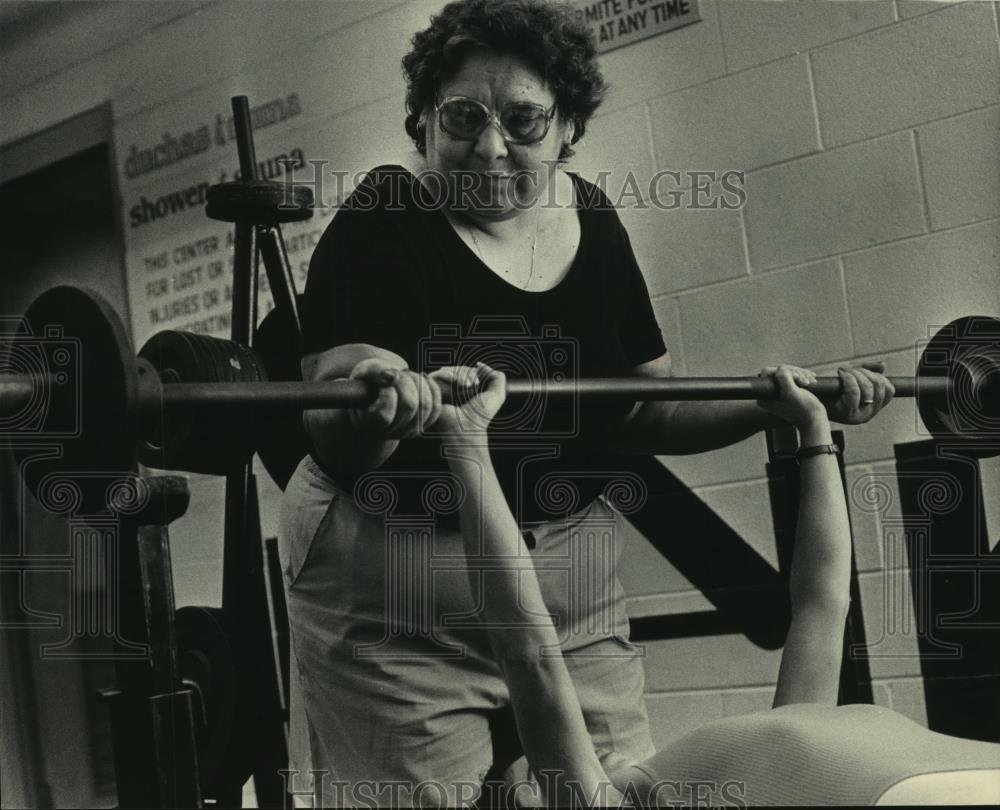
[179, 262]
[621, 22]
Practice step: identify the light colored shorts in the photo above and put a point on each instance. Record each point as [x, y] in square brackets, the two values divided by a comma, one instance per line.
[395, 677]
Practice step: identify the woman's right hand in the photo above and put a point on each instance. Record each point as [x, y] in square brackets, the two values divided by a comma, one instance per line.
[486, 391]
[795, 404]
[407, 402]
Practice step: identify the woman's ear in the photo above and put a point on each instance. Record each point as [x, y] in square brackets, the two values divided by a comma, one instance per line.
[570, 132]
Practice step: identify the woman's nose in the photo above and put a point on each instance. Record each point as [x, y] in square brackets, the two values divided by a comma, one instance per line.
[490, 144]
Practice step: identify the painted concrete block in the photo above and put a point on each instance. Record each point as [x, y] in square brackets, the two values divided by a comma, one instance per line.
[796, 316]
[644, 571]
[865, 525]
[891, 627]
[913, 8]
[82, 33]
[907, 695]
[960, 159]
[711, 662]
[756, 32]
[686, 247]
[751, 119]
[837, 201]
[669, 319]
[925, 68]
[933, 279]
[744, 507]
[667, 604]
[674, 715]
[736, 702]
[615, 151]
[738, 462]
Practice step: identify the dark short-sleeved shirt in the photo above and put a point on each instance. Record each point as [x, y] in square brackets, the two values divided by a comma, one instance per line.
[390, 271]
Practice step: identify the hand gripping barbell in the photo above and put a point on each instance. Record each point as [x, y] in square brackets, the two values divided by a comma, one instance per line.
[196, 403]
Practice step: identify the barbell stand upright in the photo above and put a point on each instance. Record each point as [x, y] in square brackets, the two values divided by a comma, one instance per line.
[244, 594]
[152, 718]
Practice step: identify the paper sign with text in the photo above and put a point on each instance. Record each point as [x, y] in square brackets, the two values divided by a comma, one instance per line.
[616, 23]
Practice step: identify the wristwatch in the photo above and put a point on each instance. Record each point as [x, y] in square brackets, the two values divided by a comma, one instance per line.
[816, 450]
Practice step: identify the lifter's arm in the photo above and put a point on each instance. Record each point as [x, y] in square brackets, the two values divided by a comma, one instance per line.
[680, 428]
[524, 641]
[820, 575]
[549, 719]
[350, 441]
[344, 451]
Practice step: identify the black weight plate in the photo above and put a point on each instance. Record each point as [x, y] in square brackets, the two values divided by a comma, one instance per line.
[89, 407]
[171, 355]
[968, 351]
[205, 663]
[211, 442]
[259, 202]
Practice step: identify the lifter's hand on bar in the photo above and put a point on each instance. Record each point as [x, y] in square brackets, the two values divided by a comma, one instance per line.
[795, 404]
[472, 396]
[407, 402]
[864, 392]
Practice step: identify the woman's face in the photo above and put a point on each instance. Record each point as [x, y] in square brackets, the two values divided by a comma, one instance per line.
[494, 179]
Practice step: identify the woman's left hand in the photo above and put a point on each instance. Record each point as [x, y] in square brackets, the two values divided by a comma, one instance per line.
[482, 391]
[865, 392]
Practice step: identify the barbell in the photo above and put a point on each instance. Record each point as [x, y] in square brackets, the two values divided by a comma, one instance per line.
[197, 403]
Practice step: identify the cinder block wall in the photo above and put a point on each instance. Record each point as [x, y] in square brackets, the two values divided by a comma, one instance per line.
[868, 135]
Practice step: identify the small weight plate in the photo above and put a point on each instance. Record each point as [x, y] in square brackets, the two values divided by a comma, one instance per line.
[259, 202]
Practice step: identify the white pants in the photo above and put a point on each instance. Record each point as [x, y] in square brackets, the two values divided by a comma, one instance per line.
[396, 677]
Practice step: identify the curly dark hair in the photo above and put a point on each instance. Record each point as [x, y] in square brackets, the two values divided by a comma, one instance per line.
[546, 35]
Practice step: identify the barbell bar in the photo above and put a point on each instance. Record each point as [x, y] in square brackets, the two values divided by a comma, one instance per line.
[356, 394]
[17, 390]
[184, 389]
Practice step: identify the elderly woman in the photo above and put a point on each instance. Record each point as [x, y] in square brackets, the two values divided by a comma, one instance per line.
[480, 248]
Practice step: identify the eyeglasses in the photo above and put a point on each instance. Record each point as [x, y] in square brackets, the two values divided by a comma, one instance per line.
[519, 123]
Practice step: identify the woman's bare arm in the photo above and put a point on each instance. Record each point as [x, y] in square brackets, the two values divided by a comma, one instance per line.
[350, 442]
[821, 571]
[546, 708]
[680, 428]
[342, 450]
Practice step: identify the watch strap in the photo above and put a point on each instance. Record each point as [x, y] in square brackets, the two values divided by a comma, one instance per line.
[816, 450]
